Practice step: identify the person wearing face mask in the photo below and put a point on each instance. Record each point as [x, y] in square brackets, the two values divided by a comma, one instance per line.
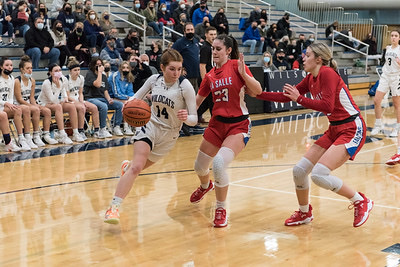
[41, 12]
[105, 22]
[6, 26]
[19, 18]
[79, 13]
[262, 29]
[145, 62]
[131, 44]
[220, 22]
[179, 27]
[310, 40]
[110, 54]
[252, 38]
[165, 17]
[94, 33]
[140, 70]
[280, 60]
[151, 17]
[284, 26]
[77, 44]
[298, 64]
[60, 42]
[67, 18]
[200, 29]
[200, 13]
[121, 88]
[255, 15]
[55, 8]
[107, 68]
[135, 19]
[119, 46]
[155, 54]
[182, 8]
[266, 62]
[87, 6]
[40, 45]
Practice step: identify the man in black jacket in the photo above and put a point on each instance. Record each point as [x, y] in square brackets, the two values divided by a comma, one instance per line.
[39, 44]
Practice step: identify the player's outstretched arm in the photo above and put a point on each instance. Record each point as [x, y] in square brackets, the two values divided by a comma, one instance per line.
[253, 86]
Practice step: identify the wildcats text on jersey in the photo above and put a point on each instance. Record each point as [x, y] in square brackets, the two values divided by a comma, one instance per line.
[163, 99]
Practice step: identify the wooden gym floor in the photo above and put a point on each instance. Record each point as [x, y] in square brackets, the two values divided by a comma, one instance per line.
[53, 202]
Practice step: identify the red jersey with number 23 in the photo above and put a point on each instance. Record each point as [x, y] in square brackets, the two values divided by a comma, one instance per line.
[227, 88]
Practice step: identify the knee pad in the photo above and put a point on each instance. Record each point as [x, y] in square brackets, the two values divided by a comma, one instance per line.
[300, 174]
[202, 164]
[220, 163]
[321, 177]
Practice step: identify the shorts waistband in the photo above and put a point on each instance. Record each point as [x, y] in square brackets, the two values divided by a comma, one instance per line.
[349, 119]
[232, 120]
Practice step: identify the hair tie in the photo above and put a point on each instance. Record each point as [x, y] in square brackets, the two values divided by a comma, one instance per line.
[73, 66]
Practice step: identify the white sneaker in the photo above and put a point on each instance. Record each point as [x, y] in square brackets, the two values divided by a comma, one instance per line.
[37, 140]
[12, 147]
[104, 132]
[394, 132]
[30, 142]
[378, 129]
[24, 145]
[117, 131]
[47, 138]
[83, 135]
[128, 131]
[64, 139]
[99, 135]
[77, 137]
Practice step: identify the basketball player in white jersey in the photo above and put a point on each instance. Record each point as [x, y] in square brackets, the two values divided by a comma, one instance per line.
[173, 103]
[389, 81]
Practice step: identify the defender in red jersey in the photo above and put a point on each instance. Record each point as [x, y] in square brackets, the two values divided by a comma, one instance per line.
[342, 141]
[229, 128]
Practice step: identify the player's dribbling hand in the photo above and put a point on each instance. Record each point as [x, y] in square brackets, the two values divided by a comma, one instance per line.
[291, 92]
[182, 114]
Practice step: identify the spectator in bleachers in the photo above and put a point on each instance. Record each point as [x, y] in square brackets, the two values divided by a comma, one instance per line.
[39, 44]
[60, 42]
[182, 8]
[283, 43]
[107, 68]
[78, 46]
[140, 71]
[200, 13]
[79, 13]
[298, 64]
[291, 52]
[280, 60]
[105, 23]
[20, 17]
[87, 6]
[110, 54]
[283, 26]
[329, 30]
[133, 18]
[200, 29]
[255, 15]
[262, 29]
[272, 37]
[6, 26]
[371, 41]
[42, 12]
[121, 88]
[310, 40]
[55, 8]
[75, 94]
[155, 54]
[20, 114]
[67, 18]
[179, 27]
[300, 43]
[220, 22]
[10, 145]
[266, 62]
[119, 46]
[93, 31]
[9, 6]
[264, 16]
[131, 44]
[193, 7]
[144, 59]
[151, 17]
[96, 92]
[165, 17]
[252, 38]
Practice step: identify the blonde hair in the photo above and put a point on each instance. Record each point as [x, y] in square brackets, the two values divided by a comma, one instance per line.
[130, 76]
[324, 52]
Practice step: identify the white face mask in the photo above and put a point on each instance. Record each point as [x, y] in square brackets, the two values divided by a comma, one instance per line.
[183, 6]
[146, 63]
[92, 17]
[163, 9]
[27, 75]
[40, 26]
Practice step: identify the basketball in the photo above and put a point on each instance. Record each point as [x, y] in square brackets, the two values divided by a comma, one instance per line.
[136, 112]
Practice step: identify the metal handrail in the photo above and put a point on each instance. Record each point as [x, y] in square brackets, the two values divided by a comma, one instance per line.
[269, 10]
[352, 48]
[171, 31]
[307, 20]
[240, 7]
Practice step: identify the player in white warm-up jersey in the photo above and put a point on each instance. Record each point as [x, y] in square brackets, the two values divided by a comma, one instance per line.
[173, 103]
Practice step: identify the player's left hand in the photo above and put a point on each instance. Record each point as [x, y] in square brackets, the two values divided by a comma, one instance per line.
[182, 114]
[291, 92]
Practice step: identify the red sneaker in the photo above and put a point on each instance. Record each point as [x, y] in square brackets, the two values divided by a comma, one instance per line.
[124, 167]
[200, 192]
[112, 215]
[220, 220]
[395, 159]
[299, 217]
[361, 210]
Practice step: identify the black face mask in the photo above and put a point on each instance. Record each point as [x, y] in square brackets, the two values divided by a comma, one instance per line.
[133, 64]
[107, 69]
[281, 57]
[68, 9]
[190, 35]
[254, 27]
[42, 10]
[59, 29]
[262, 26]
[79, 30]
[202, 7]
[125, 73]
[7, 72]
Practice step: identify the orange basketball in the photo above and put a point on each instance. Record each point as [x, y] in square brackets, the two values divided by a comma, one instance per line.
[136, 112]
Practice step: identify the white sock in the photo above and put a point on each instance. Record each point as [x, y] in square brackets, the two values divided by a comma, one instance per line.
[220, 204]
[205, 186]
[398, 150]
[116, 201]
[36, 133]
[62, 132]
[304, 208]
[75, 131]
[20, 135]
[28, 136]
[356, 197]
[378, 122]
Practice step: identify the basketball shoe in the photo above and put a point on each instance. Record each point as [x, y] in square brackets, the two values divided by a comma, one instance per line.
[24, 145]
[112, 215]
[377, 130]
[12, 147]
[362, 208]
[124, 167]
[77, 137]
[394, 133]
[49, 140]
[299, 217]
[200, 192]
[29, 141]
[37, 140]
[117, 131]
[395, 159]
[220, 219]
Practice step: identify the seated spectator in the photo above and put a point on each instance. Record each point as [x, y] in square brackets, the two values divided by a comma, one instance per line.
[60, 42]
[107, 68]
[182, 8]
[131, 44]
[93, 31]
[284, 43]
[41, 12]
[255, 15]
[264, 16]
[110, 54]
[252, 38]
[6, 26]
[119, 46]
[220, 22]
[200, 13]
[151, 17]
[298, 64]
[165, 17]
[144, 58]
[40, 45]
[272, 36]
[371, 41]
[55, 8]
[140, 70]
[154, 54]
[78, 46]
[105, 23]
[95, 91]
[283, 26]
[300, 43]
[79, 13]
[310, 40]
[262, 29]
[67, 18]
[200, 29]
[87, 6]
[195, 6]
[20, 17]
[138, 21]
[266, 62]
[280, 60]
[291, 52]
[329, 30]
[179, 27]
